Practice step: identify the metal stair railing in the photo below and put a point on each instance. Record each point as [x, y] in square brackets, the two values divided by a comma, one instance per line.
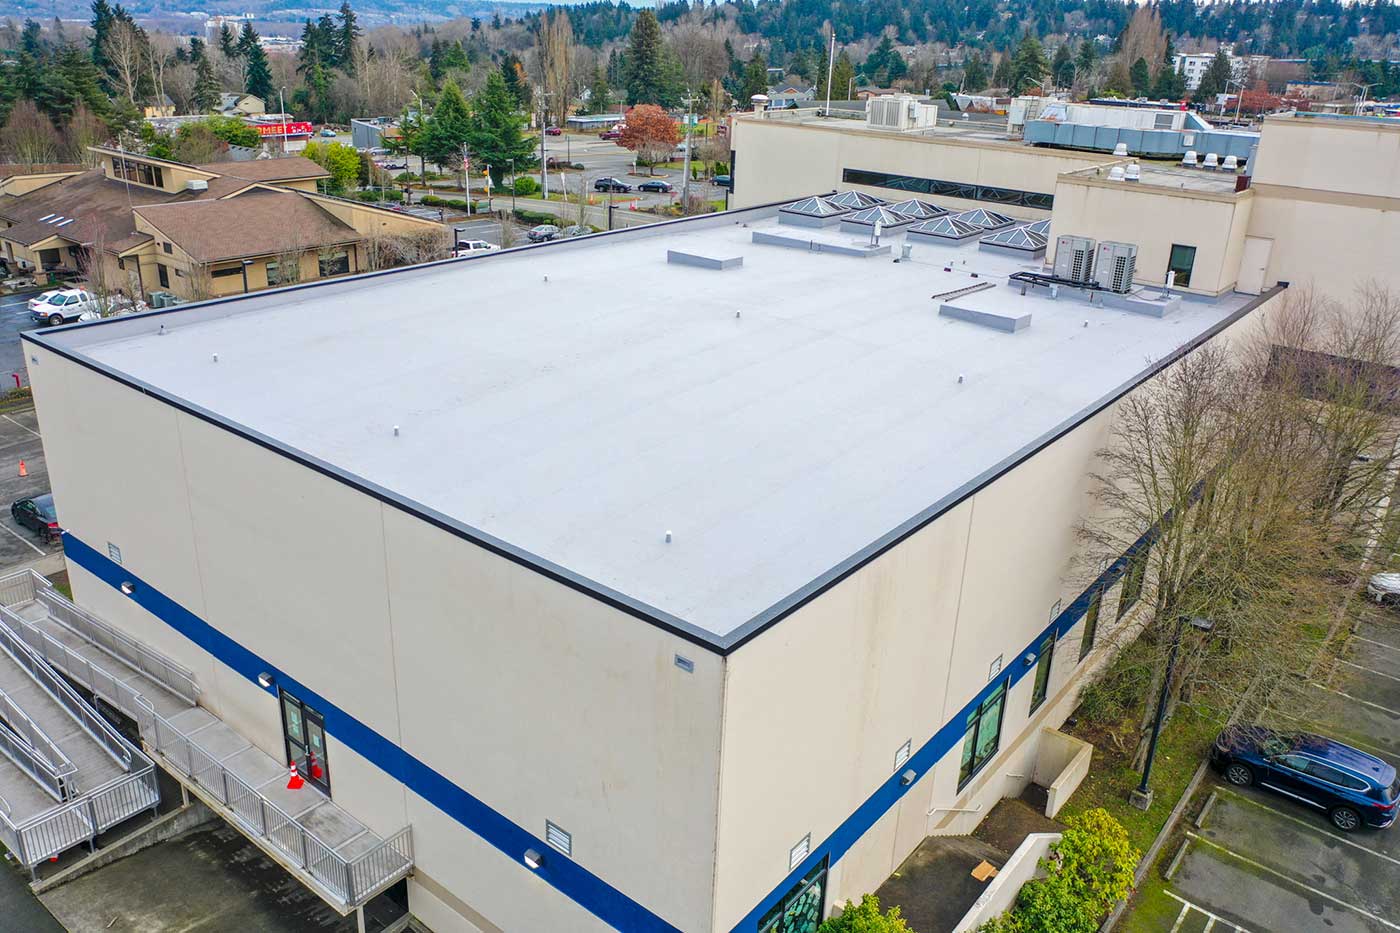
[351, 881]
[21, 743]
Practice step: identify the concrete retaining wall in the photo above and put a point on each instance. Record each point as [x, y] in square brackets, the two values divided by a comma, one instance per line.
[1062, 762]
[1000, 894]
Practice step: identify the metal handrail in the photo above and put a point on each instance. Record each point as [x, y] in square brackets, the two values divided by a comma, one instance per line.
[27, 760]
[97, 727]
[120, 646]
[28, 730]
[354, 881]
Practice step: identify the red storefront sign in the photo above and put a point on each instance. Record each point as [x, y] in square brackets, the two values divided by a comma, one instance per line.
[283, 129]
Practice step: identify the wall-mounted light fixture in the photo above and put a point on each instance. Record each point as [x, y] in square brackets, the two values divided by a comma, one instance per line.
[908, 777]
[1029, 659]
[265, 679]
[128, 587]
[534, 859]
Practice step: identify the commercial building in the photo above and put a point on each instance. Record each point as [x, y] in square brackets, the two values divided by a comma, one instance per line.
[144, 226]
[1194, 65]
[614, 614]
[1311, 200]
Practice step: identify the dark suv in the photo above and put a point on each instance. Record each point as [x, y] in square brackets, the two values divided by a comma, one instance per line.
[1353, 788]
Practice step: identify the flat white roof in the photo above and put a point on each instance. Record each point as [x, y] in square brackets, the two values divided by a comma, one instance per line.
[579, 400]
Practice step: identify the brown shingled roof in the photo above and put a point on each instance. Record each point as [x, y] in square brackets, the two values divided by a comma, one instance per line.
[260, 222]
[41, 168]
[288, 168]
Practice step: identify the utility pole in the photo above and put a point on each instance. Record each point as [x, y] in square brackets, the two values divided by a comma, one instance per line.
[282, 103]
[830, 66]
[685, 180]
[544, 165]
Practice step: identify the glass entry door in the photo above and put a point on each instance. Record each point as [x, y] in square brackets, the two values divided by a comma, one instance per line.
[305, 730]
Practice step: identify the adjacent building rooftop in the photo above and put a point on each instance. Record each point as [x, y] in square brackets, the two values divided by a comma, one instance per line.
[779, 419]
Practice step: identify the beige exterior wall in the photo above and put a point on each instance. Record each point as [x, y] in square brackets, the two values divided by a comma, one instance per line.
[542, 702]
[777, 159]
[1115, 210]
[894, 652]
[17, 185]
[1340, 156]
[1331, 242]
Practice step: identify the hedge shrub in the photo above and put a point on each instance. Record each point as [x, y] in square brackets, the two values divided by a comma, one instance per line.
[865, 917]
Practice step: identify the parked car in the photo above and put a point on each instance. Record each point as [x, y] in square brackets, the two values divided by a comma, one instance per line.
[542, 233]
[328, 132]
[724, 181]
[553, 131]
[612, 184]
[38, 514]
[1384, 588]
[472, 248]
[575, 230]
[656, 185]
[60, 306]
[1353, 788]
[613, 133]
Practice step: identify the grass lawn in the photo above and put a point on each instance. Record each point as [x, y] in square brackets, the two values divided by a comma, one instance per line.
[1153, 911]
[1181, 749]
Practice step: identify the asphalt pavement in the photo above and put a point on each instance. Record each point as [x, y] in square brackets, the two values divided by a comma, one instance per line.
[14, 317]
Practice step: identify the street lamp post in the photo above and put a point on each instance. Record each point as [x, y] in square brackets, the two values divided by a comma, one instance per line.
[282, 104]
[1142, 797]
[1361, 100]
[512, 186]
[685, 178]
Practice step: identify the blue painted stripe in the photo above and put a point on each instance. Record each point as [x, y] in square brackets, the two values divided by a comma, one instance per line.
[565, 875]
[943, 741]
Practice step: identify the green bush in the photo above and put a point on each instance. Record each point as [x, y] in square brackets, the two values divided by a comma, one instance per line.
[534, 218]
[1088, 871]
[579, 166]
[526, 186]
[431, 200]
[865, 917]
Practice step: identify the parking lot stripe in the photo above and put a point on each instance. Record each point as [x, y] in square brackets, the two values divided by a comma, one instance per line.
[1211, 919]
[1181, 917]
[1308, 824]
[18, 425]
[1378, 644]
[1296, 883]
[1368, 670]
[30, 544]
[1383, 709]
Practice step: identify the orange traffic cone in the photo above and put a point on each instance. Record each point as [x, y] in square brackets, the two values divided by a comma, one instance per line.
[294, 781]
[23, 470]
[315, 768]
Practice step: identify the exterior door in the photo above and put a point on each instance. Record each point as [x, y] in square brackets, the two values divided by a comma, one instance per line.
[305, 731]
[1254, 263]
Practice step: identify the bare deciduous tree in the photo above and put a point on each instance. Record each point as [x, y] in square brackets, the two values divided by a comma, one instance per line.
[85, 130]
[556, 56]
[28, 136]
[126, 50]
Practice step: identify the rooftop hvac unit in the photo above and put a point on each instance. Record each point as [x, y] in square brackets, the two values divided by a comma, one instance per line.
[1132, 172]
[161, 299]
[196, 184]
[1114, 265]
[1074, 258]
[900, 112]
[1189, 160]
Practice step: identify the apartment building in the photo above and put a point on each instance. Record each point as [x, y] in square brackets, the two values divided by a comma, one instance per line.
[143, 226]
[614, 614]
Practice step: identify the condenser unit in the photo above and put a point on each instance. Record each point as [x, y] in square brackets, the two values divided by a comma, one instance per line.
[1114, 265]
[1074, 258]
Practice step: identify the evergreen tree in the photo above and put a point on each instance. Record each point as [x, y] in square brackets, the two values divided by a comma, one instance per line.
[975, 73]
[197, 50]
[1085, 60]
[513, 74]
[206, 86]
[1140, 77]
[599, 94]
[102, 19]
[843, 77]
[1030, 65]
[448, 128]
[1062, 67]
[347, 40]
[1216, 76]
[646, 61]
[228, 41]
[1170, 84]
[755, 79]
[1003, 75]
[495, 132]
[257, 74]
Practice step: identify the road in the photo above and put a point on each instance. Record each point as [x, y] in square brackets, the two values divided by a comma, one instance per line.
[14, 317]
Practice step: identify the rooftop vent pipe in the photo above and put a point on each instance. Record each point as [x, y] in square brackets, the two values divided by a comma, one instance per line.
[1189, 160]
[1212, 161]
[1121, 149]
[1231, 163]
[1133, 172]
[1115, 173]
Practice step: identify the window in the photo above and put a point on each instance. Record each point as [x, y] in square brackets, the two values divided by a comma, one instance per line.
[163, 274]
[1091, 625]
[800, 909]
[142, 173]
[948, 189]
[1041, 687]
[1132, 581]
[1333, 776]
[166, 247]
[983, 735]
[225, 272]
[1183, 258]
[335, 263]
[274, 272]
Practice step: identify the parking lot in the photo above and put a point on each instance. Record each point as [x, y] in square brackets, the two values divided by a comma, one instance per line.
[19, 440]
[1264, 863]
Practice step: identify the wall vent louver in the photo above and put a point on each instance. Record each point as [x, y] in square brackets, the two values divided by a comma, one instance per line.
[558, 838]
